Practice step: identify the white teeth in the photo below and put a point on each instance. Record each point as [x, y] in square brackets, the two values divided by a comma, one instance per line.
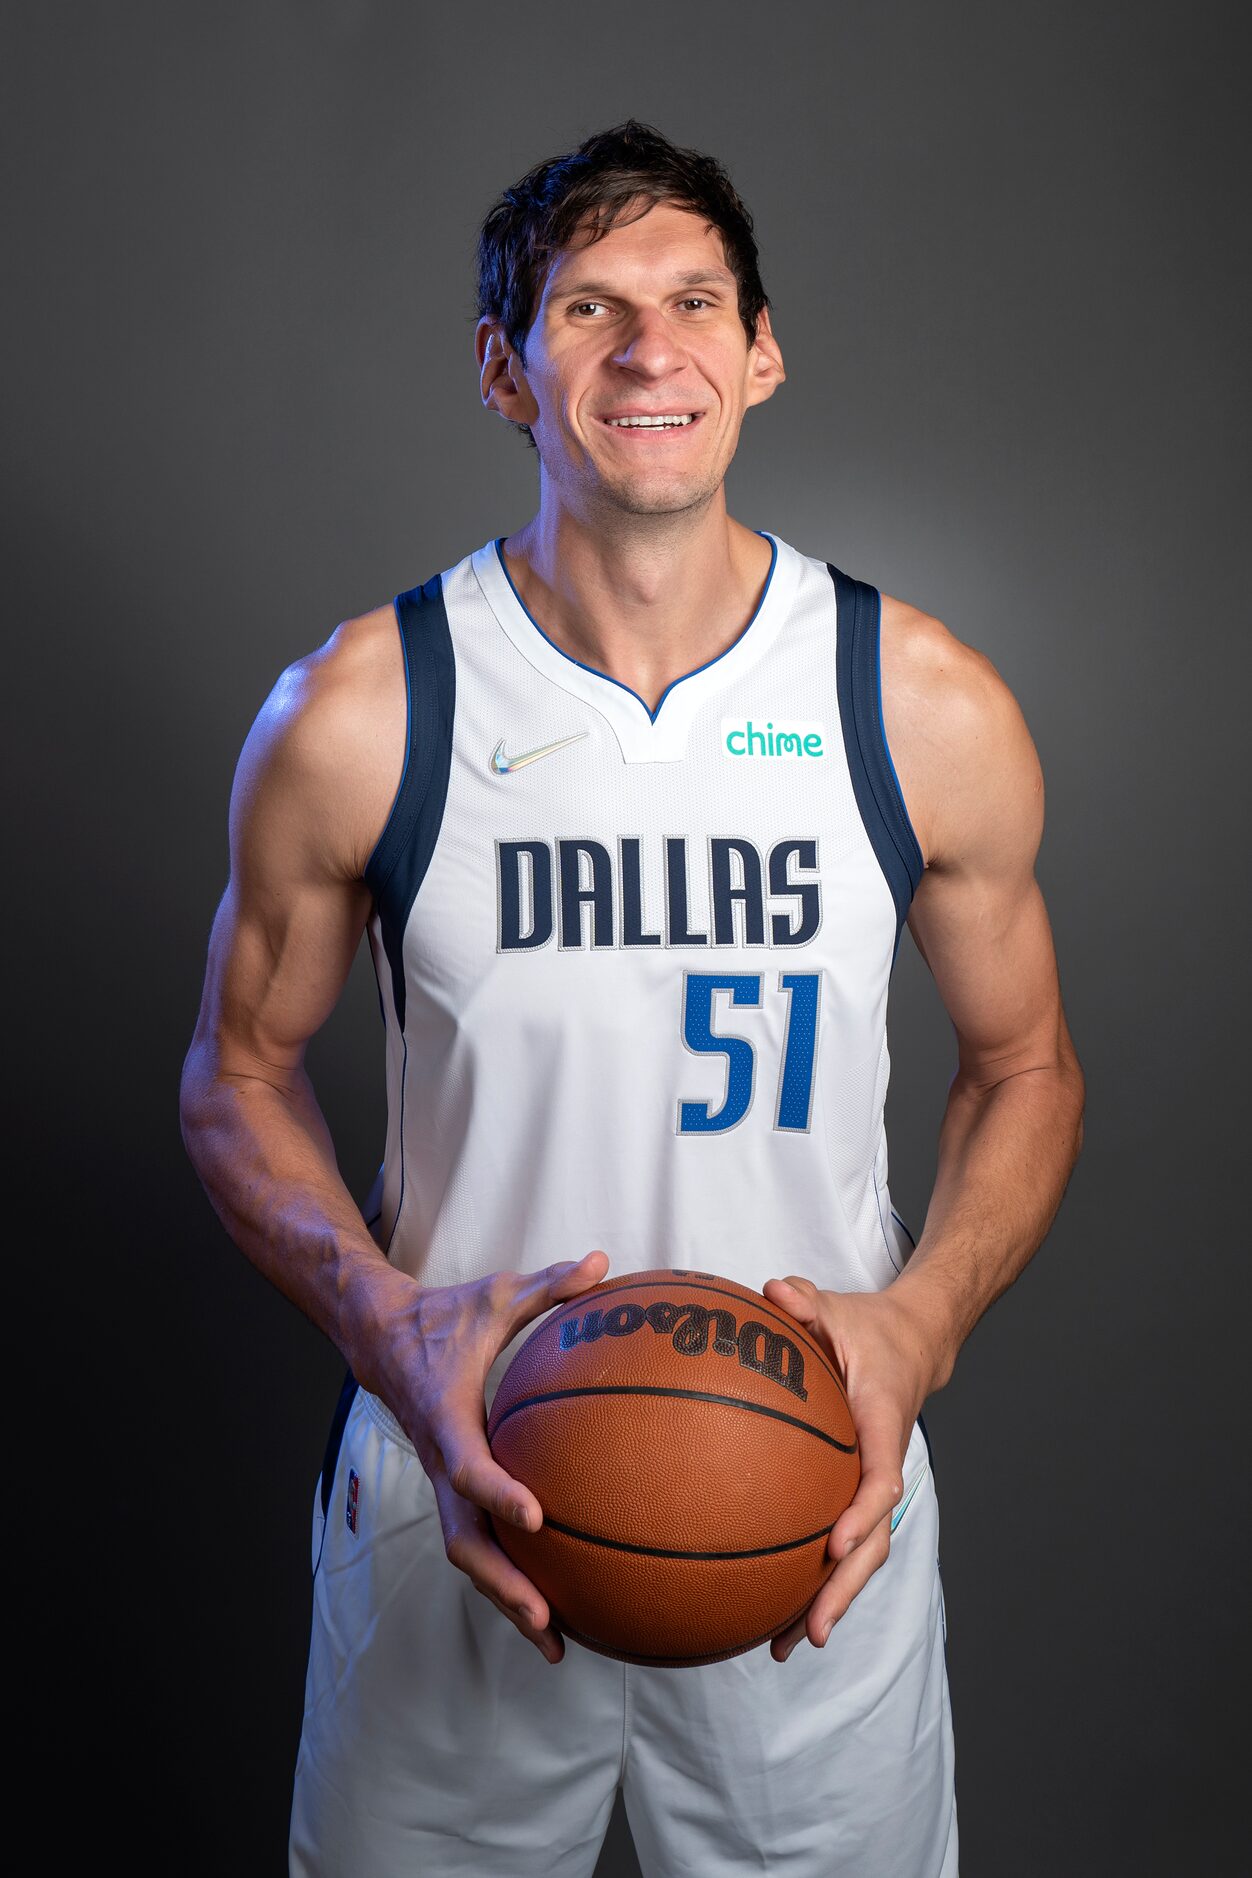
[650, 423]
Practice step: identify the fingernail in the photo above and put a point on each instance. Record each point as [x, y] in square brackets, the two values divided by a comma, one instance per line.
[787, 1652]
[827, 1628]
[521, 1517]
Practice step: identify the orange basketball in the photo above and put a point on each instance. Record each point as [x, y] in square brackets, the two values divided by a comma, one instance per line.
[691, 1447]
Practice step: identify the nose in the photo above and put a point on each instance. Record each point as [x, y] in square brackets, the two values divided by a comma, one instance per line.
[650, 346]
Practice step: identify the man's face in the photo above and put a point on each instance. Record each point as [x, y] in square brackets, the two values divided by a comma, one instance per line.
[643, 321]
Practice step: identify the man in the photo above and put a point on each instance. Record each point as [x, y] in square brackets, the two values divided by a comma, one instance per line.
[632, 805]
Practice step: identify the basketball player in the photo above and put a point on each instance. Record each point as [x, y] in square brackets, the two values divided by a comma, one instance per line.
[633, 805]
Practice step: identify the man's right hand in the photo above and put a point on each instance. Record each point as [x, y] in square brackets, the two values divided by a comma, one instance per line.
[433, 1378]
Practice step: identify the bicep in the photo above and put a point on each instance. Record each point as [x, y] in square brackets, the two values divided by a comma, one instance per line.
[978, 916]
[289, 924]
[989, 948]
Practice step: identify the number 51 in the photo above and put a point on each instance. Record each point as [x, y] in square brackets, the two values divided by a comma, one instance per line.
[795, 1081]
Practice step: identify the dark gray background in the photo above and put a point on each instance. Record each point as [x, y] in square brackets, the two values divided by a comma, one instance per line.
[1002, 249]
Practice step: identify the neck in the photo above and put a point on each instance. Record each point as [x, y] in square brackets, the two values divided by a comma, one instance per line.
[646, 601]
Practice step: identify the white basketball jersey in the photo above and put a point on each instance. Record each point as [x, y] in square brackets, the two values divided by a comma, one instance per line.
[633, 965]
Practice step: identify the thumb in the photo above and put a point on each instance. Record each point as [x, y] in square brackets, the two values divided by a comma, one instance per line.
[519, 1297]
[796, 1295]
[536, 1292]
[588, 1274]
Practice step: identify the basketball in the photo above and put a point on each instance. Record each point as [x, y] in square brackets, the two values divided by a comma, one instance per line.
[691, 1446]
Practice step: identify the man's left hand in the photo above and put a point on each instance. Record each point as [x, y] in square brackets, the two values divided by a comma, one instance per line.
[882, 1353]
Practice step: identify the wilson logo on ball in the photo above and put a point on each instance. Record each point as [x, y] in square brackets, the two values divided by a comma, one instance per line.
[691, 1328]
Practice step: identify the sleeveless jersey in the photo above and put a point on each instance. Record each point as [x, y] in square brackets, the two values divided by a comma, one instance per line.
[632, 964]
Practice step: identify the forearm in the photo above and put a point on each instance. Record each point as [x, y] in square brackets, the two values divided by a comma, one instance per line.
[1005, 1156]
[265, 1158]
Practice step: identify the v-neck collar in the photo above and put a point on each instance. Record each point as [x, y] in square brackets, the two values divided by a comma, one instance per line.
[658, 736]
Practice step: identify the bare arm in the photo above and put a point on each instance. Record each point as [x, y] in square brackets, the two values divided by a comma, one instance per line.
[282, 944]
[1012, 1128]
[313, 788]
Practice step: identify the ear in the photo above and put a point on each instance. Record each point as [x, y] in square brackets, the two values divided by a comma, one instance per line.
[765, 362]
[501, 378]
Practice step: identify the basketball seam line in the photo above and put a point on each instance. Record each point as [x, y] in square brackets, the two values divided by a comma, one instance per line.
[657, 1551]
[684, 1395]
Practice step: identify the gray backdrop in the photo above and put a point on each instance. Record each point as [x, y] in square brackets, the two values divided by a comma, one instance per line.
[1002, 248]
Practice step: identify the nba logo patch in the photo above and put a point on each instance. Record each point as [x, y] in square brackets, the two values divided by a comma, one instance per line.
[354, 1488]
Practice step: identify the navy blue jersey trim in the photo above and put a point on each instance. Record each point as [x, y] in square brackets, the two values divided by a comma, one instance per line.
[904, 1229]
[397, 867]
[607, 676]
[404, 1085]
[334, 1440]
[930, 1452]
[874, 780]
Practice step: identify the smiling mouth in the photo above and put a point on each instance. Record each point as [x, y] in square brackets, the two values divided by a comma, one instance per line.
[634, 427]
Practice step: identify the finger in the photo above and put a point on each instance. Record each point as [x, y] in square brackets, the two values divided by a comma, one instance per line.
[471, 1546]
[882, 1480]
[513, 1299]
[849, 1578]
[860, 1537]
[549, 1642]
[785, 1642]
[474, 1473]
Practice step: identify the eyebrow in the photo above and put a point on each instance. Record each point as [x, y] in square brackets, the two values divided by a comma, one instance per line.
[701, 277]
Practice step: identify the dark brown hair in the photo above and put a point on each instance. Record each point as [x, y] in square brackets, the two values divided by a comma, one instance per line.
[632, 164]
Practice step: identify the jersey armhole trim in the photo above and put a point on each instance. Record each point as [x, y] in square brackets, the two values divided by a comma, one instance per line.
[396, 868]
[874, 780]
[917, 862]
[378, 867]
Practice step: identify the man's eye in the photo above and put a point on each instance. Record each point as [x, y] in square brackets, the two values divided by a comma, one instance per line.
[691, 300]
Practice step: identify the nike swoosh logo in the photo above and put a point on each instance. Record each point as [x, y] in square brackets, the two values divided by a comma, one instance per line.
[903, 1507]
[503, 765]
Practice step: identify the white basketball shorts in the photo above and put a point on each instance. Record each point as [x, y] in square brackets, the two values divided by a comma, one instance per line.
[438, 1742]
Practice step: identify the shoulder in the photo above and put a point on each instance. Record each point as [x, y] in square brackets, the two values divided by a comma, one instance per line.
[967, 766]
[327, 698]
[327, 747]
